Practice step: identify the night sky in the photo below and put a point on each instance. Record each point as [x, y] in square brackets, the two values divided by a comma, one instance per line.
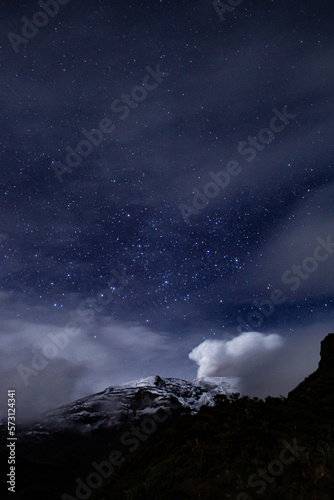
[166, 166]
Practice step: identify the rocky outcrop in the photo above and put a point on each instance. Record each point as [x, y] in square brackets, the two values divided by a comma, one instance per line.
[326, 364]
[320, 384]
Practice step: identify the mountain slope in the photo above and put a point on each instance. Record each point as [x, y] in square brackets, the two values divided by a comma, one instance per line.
[162, 439]
[67, 439]
[280, 448]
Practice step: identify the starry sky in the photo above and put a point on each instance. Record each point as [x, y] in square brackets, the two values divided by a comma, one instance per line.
[166, 194]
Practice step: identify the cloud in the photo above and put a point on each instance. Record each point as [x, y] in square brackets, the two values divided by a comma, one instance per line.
[266, 364]
[248, 356]
[113, 353]
[229, 357]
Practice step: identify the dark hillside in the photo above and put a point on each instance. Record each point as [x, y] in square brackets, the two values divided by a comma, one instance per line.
[236, 449]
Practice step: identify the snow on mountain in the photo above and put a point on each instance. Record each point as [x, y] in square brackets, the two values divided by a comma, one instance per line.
[121, 405]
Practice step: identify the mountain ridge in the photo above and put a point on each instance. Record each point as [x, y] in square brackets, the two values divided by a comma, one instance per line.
[190, 438]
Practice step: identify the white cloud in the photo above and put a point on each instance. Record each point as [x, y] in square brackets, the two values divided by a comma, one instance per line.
[232, 357]
[265, 364]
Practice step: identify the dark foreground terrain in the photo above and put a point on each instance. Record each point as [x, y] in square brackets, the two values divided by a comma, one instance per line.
[241, 448]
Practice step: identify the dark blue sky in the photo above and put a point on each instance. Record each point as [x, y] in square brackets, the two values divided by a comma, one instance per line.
[206, 186]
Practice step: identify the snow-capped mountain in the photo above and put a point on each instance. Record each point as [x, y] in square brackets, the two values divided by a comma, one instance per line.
[66, 440]
[128, 402]
[69, 453]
